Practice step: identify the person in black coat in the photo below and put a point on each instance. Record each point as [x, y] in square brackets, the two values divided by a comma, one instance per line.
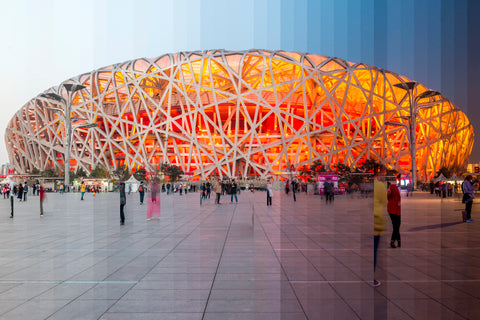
[123, 201]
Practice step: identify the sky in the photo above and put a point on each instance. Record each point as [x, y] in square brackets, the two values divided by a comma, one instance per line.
[434, 42]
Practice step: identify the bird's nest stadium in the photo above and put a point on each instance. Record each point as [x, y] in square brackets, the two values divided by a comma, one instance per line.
[252, 113]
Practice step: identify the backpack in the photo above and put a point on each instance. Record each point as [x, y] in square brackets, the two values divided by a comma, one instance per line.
[140, 189]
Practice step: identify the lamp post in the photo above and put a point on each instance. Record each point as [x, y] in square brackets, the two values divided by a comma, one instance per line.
[67, 110]
[411, 125]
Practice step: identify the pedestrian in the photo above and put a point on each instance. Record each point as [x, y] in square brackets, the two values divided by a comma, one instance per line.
[468, 196]
[394, 211]
[379, 202]
[42, 198]
[410, 189]
[294, 190]
[209, 186]
[233, 191]
[20, 192]
[203, 191]
[269, 193]
[287, 187]
[328, 189]
[218, 191]
[153, 203]
[129, 188]
[123, 201]
[83, 188]
[25, 191]
[141, 191]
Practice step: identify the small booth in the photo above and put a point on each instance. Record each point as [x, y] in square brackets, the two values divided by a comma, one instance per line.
[132, 184]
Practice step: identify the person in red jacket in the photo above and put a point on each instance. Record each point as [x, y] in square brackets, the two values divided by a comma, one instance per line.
[394, 211]
[42, 198]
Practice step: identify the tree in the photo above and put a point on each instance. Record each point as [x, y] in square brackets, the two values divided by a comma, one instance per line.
[173, 172]
[99, 172]
[81, 173]
[372, 166]
[35, 171]
[305, 173]
[317, 166]
[50, 173]
[121, 174]
[447, 172]
[140, 174]
[342, 169]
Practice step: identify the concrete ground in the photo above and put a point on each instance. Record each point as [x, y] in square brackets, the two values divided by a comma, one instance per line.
[293, 260]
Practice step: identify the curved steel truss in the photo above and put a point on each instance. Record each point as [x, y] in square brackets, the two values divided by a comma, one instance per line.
[245, 113]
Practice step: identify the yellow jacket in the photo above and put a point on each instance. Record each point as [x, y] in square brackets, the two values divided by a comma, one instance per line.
[379, 203]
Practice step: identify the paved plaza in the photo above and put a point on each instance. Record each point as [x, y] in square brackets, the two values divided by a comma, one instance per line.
[291, 261]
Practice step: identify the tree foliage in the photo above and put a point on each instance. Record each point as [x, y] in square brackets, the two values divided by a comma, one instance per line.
[140, 174]
[305, 173]
[172, 171]
[316, 167]
[50, 173]
[121, 174]
[99, 173]
[447, 172]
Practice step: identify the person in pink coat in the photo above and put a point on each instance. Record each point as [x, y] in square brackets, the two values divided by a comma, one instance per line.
[153, 201]
[394, 211]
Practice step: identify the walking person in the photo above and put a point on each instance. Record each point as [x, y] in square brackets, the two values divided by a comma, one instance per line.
[42, 198]
[141, 191]
[468, 196]
[83, 188]
[25, 191]
[294, 190]
[20, 192]
[269, 193]
[209, 186]
[233, 191]
[287, 187]
[218, 191]
[379, 202]
[394, 211]
[153, 203]
[123, 201]
[328, 189]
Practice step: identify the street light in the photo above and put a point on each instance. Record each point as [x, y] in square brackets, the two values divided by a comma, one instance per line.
[412, 119]
[67, 115]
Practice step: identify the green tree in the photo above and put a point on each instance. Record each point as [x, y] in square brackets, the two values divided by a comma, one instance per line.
[81, 173]
[50, 173]
[99, 173]
[35, 171]
[121, 174]
[140, 174]
[173, 172]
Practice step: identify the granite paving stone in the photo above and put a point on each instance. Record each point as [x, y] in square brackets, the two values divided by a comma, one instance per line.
[289, 261]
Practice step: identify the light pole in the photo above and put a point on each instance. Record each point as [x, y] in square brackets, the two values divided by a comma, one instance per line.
[412, 119]
[67, 115]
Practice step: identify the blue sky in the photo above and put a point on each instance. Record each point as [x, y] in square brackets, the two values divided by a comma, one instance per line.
[435, 42]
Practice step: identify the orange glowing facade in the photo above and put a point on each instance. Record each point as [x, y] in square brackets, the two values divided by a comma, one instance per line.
[238, 113]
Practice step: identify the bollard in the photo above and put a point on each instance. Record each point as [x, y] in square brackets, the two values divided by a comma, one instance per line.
[11, 204]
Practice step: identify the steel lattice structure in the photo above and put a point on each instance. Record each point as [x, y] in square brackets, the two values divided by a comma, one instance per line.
[231, 113]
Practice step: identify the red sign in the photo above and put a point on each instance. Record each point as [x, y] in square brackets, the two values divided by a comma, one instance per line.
[11, 171]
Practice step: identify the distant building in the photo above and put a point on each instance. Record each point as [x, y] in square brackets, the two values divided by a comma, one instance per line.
[249, 113]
